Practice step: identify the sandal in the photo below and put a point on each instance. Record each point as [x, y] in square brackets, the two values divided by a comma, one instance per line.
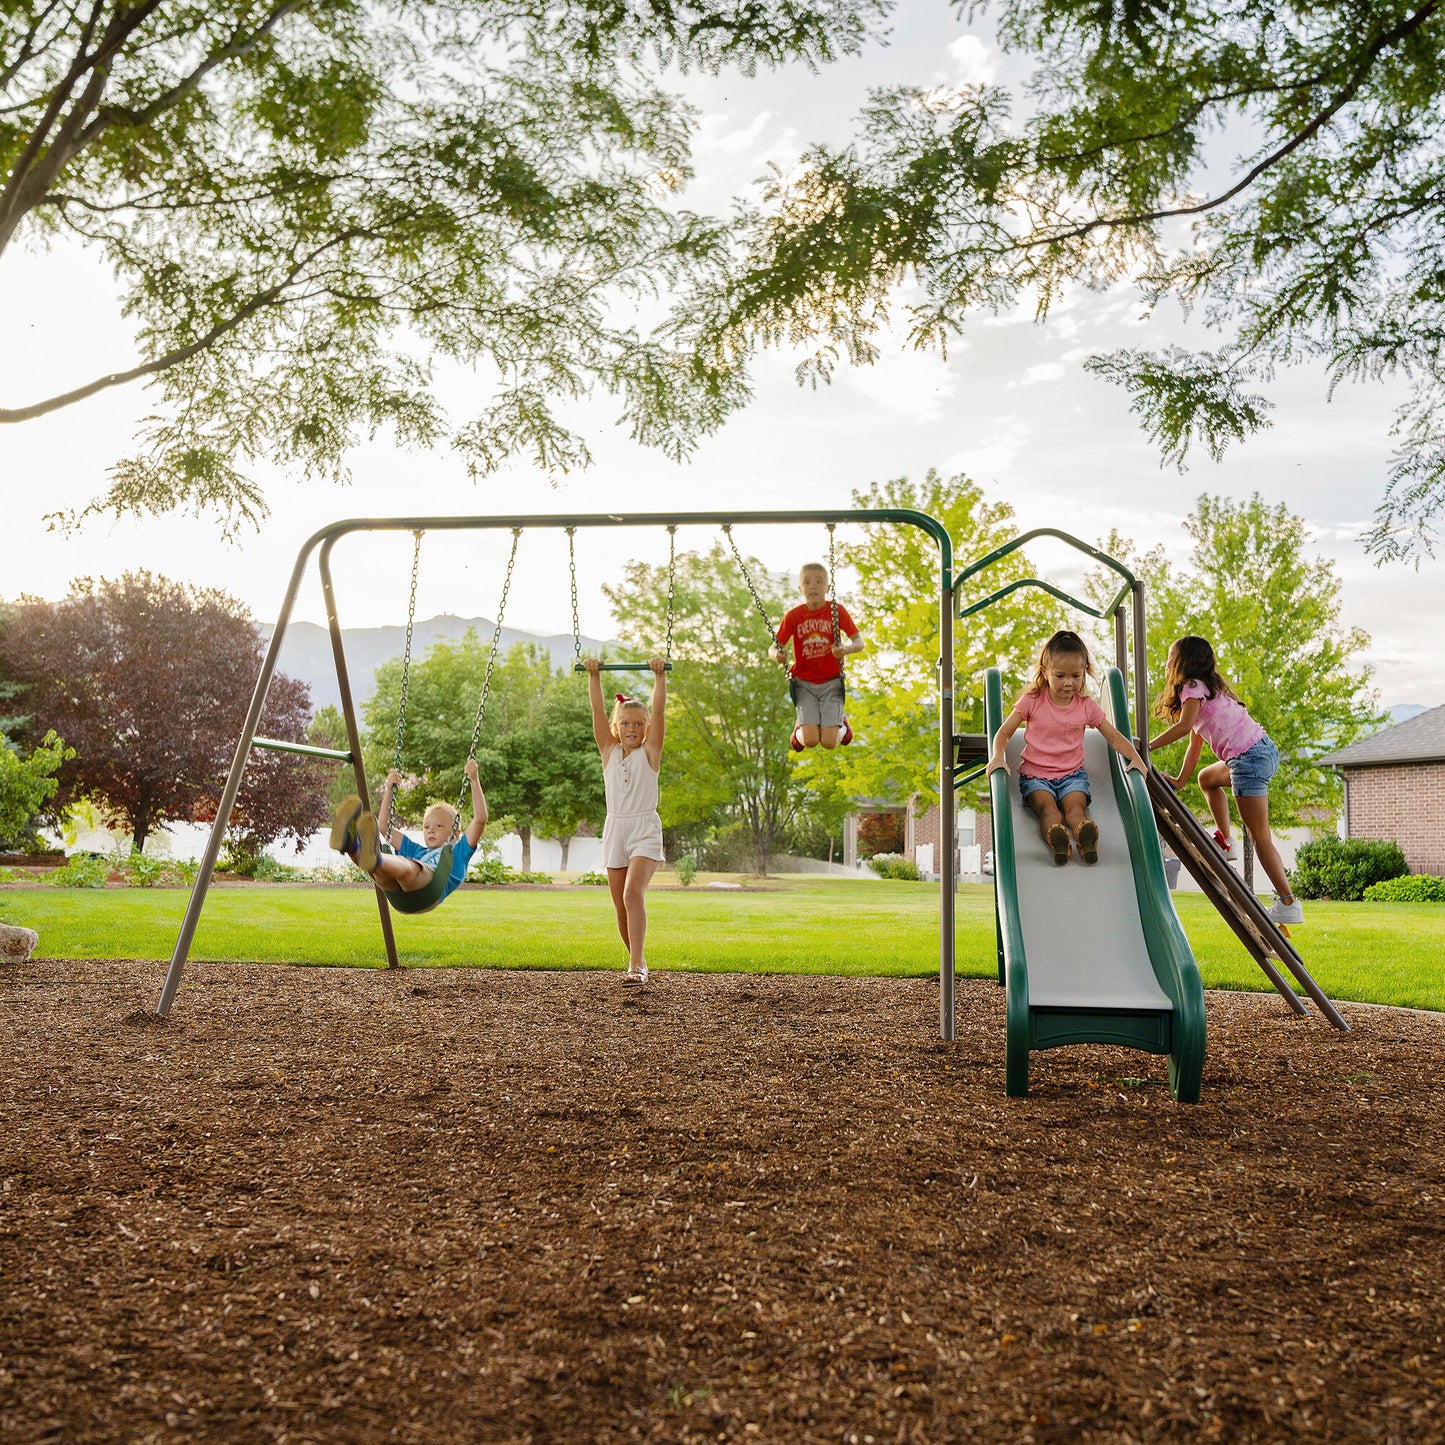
[635, 976]
[1059, 842]
[1089, 841]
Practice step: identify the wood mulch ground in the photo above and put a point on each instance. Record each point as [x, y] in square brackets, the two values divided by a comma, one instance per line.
[441, 1205]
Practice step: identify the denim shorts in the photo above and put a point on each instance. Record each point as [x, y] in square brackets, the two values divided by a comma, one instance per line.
[1075, 782]
[1251, 770]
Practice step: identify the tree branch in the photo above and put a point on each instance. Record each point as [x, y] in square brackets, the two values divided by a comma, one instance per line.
[259, 302]
[1382, 43]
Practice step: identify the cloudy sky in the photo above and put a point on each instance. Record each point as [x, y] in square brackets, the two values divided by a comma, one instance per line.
[1012, 407]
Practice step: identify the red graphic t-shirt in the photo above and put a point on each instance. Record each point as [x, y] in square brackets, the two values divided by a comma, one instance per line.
[811, 630]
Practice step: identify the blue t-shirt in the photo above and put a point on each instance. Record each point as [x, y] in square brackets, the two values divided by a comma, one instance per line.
[462, 852]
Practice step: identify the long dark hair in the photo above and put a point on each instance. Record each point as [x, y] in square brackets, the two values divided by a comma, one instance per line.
[1062, 644]
[1191, 659]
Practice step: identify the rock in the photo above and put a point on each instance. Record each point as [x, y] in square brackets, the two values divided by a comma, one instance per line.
[17, 944]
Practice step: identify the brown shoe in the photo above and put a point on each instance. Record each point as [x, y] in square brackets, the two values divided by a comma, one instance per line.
[368, 848]
[1089, 840]
[1059, 842]
[343, 825]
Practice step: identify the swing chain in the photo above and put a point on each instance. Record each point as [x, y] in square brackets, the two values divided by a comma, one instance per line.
[491, 663]
[406, 657]
[671, 587]
[833, 586]
[742, 567]
[572, 568]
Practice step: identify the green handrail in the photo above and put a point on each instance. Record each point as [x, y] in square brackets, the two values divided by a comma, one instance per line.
[276, 745]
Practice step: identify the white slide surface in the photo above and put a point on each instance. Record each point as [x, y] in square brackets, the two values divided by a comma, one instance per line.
[1083, 939]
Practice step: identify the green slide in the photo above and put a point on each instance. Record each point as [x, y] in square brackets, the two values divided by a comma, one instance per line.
[1091, 954]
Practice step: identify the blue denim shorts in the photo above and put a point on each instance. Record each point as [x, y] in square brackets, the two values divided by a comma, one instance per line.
[1075, 782]
[1251, 770]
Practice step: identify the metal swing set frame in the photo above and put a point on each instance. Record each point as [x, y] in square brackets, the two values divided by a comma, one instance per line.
[322, 543]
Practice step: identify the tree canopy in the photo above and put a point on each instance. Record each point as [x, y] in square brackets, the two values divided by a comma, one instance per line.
[148, 681]
[893, 685]
[307, 203]
[1323, 241]
[728, 712]
[1272, 615]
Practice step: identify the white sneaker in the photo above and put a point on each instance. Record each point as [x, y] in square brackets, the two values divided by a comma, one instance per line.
[1291, 912]
[1226, 846]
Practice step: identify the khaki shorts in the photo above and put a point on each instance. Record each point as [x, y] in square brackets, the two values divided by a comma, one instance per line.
[819, 703]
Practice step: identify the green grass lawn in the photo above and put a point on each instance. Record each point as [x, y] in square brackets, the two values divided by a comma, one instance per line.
[1373, 953]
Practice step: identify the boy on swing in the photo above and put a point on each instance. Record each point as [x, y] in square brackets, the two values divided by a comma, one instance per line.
[817, 670]
[357, 833]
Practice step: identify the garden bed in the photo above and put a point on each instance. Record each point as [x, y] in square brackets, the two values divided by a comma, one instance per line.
[353, 1205]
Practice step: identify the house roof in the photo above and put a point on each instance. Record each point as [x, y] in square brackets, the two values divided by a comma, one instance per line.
[1420, 739]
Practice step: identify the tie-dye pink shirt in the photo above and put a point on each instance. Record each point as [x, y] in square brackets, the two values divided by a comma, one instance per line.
[1222, 722]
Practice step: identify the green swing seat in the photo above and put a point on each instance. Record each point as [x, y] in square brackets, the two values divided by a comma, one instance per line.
[423, 900]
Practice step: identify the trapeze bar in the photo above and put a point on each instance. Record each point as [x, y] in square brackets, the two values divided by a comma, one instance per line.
[620, 667]
[278, 746]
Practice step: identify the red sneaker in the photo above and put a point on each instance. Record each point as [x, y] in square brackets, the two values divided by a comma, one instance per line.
[795, 742]
[846, 736]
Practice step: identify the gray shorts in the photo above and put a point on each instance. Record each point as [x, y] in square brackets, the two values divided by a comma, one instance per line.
[819, 703]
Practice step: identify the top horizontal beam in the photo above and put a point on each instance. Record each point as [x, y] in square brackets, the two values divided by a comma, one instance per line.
[536, 522]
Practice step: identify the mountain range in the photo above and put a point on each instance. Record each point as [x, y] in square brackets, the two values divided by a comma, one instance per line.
[306, 650]
[306, 653]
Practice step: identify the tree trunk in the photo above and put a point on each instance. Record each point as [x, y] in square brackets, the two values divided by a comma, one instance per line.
[1248, 859]
[565, 844]
[525, 834]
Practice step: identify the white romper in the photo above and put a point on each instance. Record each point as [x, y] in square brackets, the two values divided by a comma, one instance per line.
[632, 829]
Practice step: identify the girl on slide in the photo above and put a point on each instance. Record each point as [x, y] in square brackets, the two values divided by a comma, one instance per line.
[1202, 705]
[1055, 710]
[631, 746]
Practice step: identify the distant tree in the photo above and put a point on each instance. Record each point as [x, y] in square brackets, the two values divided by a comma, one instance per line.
[27, 784]
[728, 712]
[1272, 614]
[571, 793]
[301, 199]
[149, 680]
[442, 701]
[1320, 237]
[327, 729]
[893, 687]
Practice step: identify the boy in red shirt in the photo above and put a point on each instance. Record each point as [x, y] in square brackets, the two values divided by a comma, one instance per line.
[817, 671]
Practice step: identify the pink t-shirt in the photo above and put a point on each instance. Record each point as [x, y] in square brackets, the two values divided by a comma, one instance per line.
[1054, 735]
[1222, 722]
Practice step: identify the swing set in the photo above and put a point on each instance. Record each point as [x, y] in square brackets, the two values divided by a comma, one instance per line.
[324, 541]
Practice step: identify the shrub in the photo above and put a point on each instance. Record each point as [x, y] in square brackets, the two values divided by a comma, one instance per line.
[686, 870]
[731, 851]
[84, 870]
[489, 870]
[1343, 868]
[893, 865]
[1410, 888]
[591, 880]
[141, 871]
[493, 872]
[879, 833]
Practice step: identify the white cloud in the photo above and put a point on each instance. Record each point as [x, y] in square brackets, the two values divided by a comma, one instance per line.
[992, 454]
[714, 138]
[974, 60]
[911, 384]
[1044, 371]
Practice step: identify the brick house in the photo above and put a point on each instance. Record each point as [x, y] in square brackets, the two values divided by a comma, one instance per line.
[1395, 788]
